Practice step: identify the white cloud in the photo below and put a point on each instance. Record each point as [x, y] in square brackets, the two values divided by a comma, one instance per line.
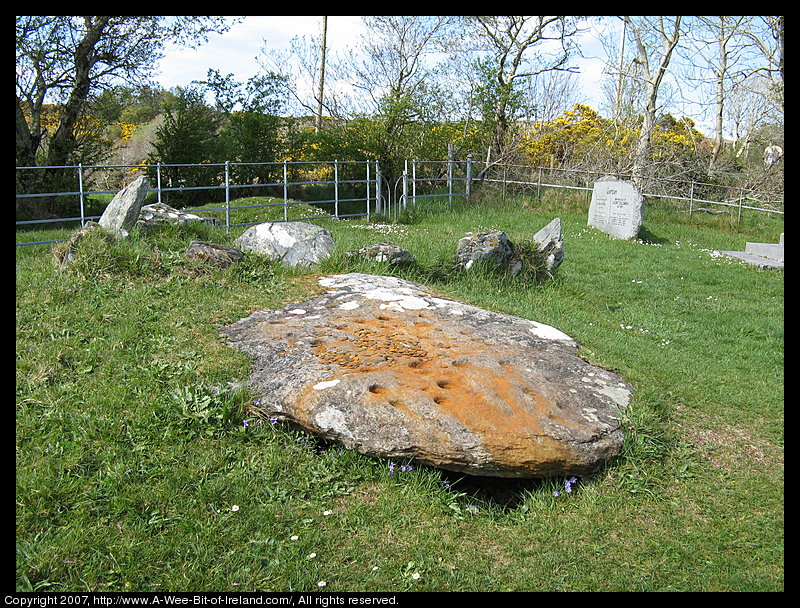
[235, 51]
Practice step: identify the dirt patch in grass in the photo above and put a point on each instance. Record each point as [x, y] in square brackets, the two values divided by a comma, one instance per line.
[730, 447]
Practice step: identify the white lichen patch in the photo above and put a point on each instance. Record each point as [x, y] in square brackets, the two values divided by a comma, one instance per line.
[547, 332]
[620, 396]
[327, 384]
[332, 420]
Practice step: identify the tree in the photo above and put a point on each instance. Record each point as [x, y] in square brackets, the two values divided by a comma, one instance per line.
[718, 49]
[769, 39]
[66, 60]
[510, 42]
[250, 131]
[188, 135]
[394, 73]
[308, 66]
[655, 41]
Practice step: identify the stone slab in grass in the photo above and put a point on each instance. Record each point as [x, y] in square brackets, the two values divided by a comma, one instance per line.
[386, 367]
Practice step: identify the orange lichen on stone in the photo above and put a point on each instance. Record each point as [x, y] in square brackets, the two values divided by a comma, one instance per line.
[381, 366]
[421, 359]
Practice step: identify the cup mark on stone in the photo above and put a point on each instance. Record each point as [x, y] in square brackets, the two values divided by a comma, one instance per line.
[376, 389]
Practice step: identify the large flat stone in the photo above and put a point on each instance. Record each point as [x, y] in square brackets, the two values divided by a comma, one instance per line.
[386, 367]
[754, 260]
[772, 251]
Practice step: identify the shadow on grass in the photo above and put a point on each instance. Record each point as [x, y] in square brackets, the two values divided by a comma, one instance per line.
[648, 237]
[506, 493]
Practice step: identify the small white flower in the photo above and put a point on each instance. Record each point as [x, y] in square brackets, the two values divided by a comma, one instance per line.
[311, 555]
[235, 508]
[321, 584]
[293, 537]
[415, 576]
[326, 513]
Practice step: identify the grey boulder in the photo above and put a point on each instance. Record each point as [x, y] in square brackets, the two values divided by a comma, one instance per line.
[122, 213]
[386, 251]
[293, 244]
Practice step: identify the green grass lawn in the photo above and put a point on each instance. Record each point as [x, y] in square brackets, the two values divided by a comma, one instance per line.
[140, 468]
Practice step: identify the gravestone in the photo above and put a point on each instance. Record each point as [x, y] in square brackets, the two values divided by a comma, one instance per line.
[616, 208]
[762, 255]
[550, 241]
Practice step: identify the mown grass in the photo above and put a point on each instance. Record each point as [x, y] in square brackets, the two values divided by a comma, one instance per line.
[136, 470]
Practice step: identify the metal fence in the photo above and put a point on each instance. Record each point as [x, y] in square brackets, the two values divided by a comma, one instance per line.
[360, 189]
[353, 188]
[694, 194]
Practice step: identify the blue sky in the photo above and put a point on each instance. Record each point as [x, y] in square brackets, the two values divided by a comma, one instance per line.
[235, 51]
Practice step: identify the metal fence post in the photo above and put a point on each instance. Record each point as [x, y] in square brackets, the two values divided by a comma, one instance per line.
[336, 189]
[539, 187]
[405, 188]
[80, 190]
[450, 179]
[158, 180]
[378, 196]
[469, 176]
[588, 189]
[741, 202]
[691, 199]
[367, 185]
[285, 195]
[227, 198]
[413, 181]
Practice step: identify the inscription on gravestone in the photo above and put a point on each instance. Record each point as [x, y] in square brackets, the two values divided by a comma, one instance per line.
[616, 208]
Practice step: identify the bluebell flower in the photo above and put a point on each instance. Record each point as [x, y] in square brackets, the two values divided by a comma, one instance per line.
[568, 484]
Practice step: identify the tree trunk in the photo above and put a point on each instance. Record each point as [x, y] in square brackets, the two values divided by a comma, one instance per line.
[63, 142]
[653, 82]
[321, 85]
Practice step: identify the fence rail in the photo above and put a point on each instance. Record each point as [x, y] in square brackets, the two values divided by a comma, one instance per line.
[735, 198]
[375, 195]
